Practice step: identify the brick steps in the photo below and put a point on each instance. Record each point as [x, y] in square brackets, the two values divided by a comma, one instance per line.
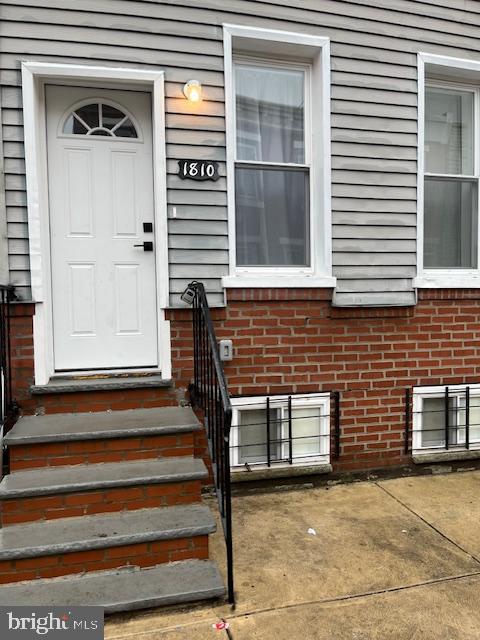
[142, 538]
[71, 439]
[60, 492]
[113, 497]
[123, 590]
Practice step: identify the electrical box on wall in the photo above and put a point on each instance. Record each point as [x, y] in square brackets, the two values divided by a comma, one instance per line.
[226, 350]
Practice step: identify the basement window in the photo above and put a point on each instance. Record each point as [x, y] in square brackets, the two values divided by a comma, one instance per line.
[446, 418]
[280, 430]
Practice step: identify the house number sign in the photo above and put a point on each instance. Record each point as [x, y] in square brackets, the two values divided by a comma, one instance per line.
[198, 170]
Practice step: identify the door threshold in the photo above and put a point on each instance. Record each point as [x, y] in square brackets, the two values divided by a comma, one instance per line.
[103, 382]
[104, 373]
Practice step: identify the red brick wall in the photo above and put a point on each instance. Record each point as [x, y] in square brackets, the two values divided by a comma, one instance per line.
[21, 345]
[294, 341]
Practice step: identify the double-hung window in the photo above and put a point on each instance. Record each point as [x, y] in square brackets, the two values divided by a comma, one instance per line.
[451, 173]
[277, 108]
[272, 164]
[446, 418]
[280, 430]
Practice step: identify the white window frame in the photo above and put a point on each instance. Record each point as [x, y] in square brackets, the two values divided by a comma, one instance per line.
[467, 78]
[419, 393]
[317, 401]
[286, 47]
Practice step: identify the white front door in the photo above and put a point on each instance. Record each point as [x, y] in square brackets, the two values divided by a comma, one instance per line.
[99, 147]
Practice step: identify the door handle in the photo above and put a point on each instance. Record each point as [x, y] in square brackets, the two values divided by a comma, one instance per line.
[147, 246]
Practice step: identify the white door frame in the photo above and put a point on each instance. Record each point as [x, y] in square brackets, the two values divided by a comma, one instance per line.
[34, 77]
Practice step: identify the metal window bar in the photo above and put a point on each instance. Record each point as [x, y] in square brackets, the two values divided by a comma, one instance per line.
[269, 453]
[407, 419]
[467, 418]
[447, 421]
[451, 428]
[209, 393]
[290, 442]
[336, 397]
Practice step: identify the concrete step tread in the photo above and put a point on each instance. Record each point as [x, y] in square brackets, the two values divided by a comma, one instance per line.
[101, 531]
[64, 427]
[84, 477]
[123, 589]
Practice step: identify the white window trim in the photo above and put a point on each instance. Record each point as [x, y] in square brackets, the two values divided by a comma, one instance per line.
[257, 42]
[313, 400]
[431, 392]
[442, 278]
[34, 77]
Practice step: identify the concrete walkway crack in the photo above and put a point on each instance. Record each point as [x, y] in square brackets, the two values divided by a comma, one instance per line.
[429, 524]
[293, 605]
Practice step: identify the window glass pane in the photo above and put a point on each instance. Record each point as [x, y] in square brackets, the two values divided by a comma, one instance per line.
[270, 114]
[433, 422]
[450, 224]
[272, 218]
[90, 114]
[449, 131]
[474, 418]
[252, 435]
[474, 424]
[306, 427]
[111, 116]
[126, 130]
[72, 125]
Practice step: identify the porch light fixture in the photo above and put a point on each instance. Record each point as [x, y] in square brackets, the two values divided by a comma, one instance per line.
[193, 91]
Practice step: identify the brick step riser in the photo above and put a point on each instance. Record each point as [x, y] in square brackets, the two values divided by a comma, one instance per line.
[145, 554]
[33, 456]
[80, 503]
[88, 401]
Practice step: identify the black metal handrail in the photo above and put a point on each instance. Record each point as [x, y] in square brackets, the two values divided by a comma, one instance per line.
[209, 393]
[8, 407]
[6, 398]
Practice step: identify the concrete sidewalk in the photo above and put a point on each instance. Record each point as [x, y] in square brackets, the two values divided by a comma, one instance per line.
[397, 559]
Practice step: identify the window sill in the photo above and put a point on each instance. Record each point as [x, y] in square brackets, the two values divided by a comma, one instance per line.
[278, 281]
[445, 456]
[240, 474]
[448, 281]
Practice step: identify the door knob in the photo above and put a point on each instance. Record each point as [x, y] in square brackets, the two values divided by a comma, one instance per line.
[147, 246]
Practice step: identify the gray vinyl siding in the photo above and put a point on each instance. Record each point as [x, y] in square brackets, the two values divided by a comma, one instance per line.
[373, 109]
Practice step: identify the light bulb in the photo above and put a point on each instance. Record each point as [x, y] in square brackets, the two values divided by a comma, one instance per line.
[193, 91]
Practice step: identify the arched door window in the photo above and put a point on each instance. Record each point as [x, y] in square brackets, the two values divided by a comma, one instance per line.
[99, 119]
